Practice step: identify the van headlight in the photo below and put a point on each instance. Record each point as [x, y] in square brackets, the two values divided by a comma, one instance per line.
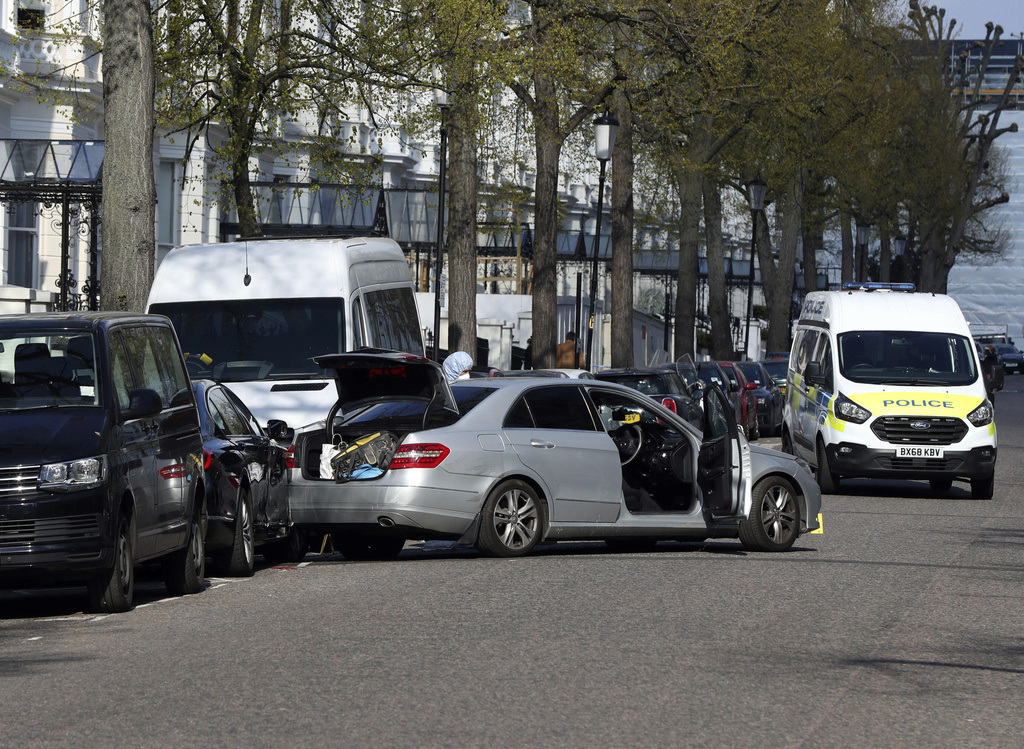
[982, 415]
[87, 473]
[847, 410]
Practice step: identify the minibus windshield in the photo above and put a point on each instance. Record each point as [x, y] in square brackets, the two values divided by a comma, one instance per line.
[47, 368]
[256, 339]
[897, 357]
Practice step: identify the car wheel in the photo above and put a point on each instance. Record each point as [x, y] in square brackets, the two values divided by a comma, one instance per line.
[513, 520]
[940, 485]
[185, 569]
[239, 559]
[289, 550]
[774, 520]
[827, 480]
[983, 488]
[787, 442]
[369, 548]
[630, 545]
[112, 591]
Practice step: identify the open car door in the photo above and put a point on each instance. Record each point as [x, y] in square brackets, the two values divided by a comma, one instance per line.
[724, 464]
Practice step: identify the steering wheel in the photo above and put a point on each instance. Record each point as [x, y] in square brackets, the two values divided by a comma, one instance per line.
[860, 366]
[195, 366]
[628, 438]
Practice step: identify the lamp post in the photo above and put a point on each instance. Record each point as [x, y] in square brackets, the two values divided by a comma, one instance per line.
[441, 100]
[899, 244]
[605, 129]
[756, 189]
[863, 237]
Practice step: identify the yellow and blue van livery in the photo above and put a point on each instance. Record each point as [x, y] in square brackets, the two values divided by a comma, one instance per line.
[885, 382]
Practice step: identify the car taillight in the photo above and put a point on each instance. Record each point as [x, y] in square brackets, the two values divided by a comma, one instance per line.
[289, 457]
[423, 455]
[207, 459]
[173, 471]
[670, 405]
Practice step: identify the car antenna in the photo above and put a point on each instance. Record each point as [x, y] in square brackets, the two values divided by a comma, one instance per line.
[247, 279]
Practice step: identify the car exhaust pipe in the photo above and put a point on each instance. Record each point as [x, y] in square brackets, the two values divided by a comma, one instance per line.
[386, 522]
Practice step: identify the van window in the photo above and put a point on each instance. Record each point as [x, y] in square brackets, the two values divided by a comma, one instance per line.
[824, 357]
[155, 364]
[895, 357]
[120, 371]
[805, 351]
[257, 339]
[392, 320]
[43, 368]
[358, 332]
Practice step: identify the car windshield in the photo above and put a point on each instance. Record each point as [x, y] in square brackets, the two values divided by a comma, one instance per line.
[893, 357]
[777, 368]
[1005, 348]
[753, 374]
[710, 375]
[44, 369]
[257, 339]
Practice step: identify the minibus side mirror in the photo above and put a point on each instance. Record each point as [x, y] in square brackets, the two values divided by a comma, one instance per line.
[142, 402]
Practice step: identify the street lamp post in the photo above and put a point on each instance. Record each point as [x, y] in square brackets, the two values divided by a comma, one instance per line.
[756, 189]
[899, 244]
[605, 129]
[441, 100]
[863, 237]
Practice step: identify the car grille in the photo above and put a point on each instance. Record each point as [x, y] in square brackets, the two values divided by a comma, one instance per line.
[900, 430]
[49, 531]
[19, 482]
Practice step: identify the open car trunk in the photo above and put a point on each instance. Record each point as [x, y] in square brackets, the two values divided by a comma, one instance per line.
[382, 397]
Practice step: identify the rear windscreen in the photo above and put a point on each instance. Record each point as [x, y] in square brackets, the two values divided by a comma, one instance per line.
[257, 339]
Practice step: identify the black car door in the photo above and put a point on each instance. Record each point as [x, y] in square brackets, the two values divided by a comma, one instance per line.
[724, 465]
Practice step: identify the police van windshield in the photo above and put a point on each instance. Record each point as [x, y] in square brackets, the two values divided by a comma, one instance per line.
[893, 357]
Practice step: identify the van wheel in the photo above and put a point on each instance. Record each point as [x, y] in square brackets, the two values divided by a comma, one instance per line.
[512, 521]
[774, 520]
[185, 569]
[787, 443]
[238, 560]
[983, 488]
[112, 591]
[369, 548]
[291, 549]
[828, 482]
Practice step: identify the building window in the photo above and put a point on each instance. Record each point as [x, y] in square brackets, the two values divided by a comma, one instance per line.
[22, 245]
[168, 229]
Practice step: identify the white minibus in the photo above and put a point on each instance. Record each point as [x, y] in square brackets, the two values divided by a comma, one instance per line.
[253, 314]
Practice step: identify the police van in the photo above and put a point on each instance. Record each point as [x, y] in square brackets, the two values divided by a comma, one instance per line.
[885, 382]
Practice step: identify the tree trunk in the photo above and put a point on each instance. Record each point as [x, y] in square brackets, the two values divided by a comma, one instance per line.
[545, 288]
[718, 291]
[462, 229]
[777, 281]
[622, 237]
[129, 189]
[846, 231]
[688, 185]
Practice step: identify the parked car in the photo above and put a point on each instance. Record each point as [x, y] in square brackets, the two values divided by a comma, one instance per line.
[747, 400]
[1008, 355]
[665, 387]
[506, 463]
[778, 369]
[246, 484]
[102, 460]
[770, 400]
[711, 373]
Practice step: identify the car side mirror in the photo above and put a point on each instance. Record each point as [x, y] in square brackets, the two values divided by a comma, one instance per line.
[142, 402]
[751, 386]
[813, 374]
[278, 431]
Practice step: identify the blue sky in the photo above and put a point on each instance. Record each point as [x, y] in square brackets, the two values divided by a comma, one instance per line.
[972, 15]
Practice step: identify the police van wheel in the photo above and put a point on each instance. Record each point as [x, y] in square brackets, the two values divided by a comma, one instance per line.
[787, 443]
[828, 482]
[983, 488]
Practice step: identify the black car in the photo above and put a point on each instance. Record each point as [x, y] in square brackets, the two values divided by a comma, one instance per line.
[1008, 355]
[770, 400]
[663, 386]
[101, 466]
[712, 373]
[246, 484]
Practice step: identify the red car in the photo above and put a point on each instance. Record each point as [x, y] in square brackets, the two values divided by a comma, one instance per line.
[740, 388]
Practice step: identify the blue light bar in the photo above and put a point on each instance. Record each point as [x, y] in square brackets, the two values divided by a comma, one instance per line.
[875, 286]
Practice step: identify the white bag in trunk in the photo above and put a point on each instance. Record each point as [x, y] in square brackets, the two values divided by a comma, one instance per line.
[327, 451]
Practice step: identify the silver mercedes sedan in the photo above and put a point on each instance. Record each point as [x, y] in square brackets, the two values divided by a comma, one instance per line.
[505, 464]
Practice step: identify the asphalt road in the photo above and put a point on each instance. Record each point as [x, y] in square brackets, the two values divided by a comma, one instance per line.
[900, 626]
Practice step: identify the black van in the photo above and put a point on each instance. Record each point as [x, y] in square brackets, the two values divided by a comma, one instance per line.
[101, 458]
